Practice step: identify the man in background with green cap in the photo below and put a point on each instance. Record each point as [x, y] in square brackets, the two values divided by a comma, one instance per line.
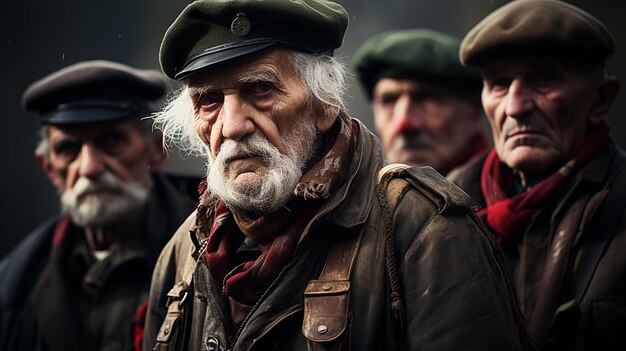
[553, 190]
[294, 246]
[426, 105]
[79, 281]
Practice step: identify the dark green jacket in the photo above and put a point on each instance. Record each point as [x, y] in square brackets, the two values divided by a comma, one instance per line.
[452, 288]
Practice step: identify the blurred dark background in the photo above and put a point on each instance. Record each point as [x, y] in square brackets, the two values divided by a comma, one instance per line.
[38, 37]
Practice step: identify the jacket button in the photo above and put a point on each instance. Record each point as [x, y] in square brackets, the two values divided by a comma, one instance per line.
[327, 287]
[212, 344]
[322, 329]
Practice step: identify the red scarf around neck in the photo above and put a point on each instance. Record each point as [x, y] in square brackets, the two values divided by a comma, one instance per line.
[507, 215]
[244, 282]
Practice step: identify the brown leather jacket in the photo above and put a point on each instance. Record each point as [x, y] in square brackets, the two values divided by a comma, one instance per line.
[453, 290]
[596, 320]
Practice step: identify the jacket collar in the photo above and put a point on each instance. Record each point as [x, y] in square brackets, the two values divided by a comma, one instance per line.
[598, 169]
[351, 203]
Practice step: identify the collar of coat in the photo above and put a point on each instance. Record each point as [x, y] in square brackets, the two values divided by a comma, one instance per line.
[359, 188]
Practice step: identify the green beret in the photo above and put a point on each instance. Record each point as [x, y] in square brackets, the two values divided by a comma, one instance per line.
[414, 54]
[94, 91]
[208, 32]
[547, 28]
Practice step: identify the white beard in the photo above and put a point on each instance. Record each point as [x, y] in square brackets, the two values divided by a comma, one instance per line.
[104, 202]
[276, 187]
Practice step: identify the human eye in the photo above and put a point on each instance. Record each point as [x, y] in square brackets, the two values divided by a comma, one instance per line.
[387, 99]
[497, 83]
[209, 99]
[545, 78]
[67, 149]
[112, 142]
[261, 88]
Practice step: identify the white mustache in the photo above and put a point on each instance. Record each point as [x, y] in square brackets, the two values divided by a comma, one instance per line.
[105, 183]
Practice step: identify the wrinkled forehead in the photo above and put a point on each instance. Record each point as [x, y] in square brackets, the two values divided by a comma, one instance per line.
[529, 65]
[274, 65]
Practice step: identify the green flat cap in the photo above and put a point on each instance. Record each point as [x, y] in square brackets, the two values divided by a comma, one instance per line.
[208, 32]
[547, 28]
[94, 91]
[413, 54]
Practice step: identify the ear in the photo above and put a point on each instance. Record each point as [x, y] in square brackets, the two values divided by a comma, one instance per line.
[44, 162]
[324, 118]
[158, 155]
[607, 91]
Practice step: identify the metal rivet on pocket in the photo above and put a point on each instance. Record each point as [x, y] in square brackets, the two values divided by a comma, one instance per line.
[212, 344]
[322, 329]
[327, 287]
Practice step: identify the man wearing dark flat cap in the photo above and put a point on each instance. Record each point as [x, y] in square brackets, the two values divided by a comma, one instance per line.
[80, 281]
[553, 189]
[426, 105]
[295, 245]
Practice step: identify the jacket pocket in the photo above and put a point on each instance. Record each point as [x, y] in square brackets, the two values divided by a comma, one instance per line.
[326, 314]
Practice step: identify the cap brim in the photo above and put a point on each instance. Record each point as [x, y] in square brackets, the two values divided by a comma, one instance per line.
[221, 54]
[84, 113]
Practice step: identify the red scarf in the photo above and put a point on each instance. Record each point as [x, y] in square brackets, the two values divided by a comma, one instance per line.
[246, 281]
[507, 216]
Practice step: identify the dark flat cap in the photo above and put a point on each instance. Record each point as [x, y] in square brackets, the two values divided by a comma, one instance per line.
[413, 54]
[94, 91]
[208, 32]
[547, 28]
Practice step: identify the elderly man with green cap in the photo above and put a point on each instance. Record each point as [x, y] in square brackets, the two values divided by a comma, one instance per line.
[79, 280]
[294, 245]
[554, 187]
[426, 105]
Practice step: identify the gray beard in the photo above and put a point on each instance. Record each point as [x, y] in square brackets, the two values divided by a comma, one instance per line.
[277, 186]
[104, 202]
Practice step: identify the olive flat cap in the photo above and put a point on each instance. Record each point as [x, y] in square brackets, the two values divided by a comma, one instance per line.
[546, 28]
[413, 54]
[208, 32]
[94, 91]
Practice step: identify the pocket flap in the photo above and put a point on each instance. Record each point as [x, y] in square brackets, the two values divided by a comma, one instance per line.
[326, 310]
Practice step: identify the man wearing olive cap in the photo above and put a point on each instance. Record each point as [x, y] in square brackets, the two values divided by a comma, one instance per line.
[78, 281]
[554, 187]
[426, 105]
[290, 248]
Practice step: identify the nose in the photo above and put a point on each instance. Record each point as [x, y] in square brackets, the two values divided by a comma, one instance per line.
[519, 100]
[91, 163]
[236, 118]
[406, 117]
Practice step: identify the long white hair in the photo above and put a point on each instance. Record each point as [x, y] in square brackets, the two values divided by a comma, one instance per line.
[323, 75]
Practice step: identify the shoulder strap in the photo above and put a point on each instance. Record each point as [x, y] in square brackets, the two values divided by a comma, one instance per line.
[612, 208]
[326, 299]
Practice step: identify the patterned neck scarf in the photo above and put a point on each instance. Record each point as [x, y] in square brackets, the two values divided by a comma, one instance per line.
[278, 232]
[507, 215]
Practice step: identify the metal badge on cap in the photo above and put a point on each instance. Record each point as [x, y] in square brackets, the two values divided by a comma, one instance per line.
[241, 25]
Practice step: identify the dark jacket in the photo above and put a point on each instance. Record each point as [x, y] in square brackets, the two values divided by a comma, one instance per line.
[49, 292]
[597, 319]
[452, 288]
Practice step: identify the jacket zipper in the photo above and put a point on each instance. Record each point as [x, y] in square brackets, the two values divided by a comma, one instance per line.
[261, 299]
